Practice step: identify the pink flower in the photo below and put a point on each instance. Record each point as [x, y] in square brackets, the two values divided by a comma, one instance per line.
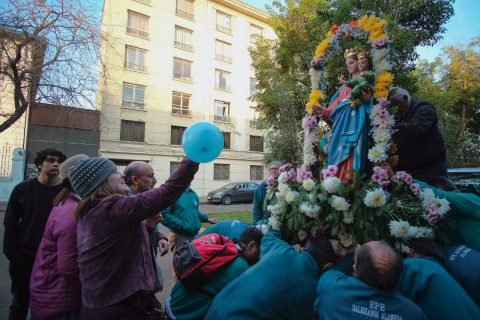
[399, 204]
[416, 189]
[402, 175]
[329, 172]
[433, 217]
[380, 176]
[270, 181]
[285, 167]
[303, 175]
[309, 122]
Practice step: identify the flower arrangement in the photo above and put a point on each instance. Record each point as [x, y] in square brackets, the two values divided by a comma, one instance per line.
[386, 206]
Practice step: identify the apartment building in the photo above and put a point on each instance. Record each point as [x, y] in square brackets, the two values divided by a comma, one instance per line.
[171, 63]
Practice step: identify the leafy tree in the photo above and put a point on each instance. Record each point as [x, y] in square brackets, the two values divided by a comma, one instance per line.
[49, 52]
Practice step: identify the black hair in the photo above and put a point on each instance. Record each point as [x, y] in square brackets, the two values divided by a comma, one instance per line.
[42, 155]
[380, 278]
[321, 249]
[427, 247]
[250, 234]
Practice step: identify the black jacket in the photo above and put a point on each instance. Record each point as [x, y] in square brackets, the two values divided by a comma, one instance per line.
[420, 143]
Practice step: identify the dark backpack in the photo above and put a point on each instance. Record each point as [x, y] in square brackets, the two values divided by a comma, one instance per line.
[198, 260]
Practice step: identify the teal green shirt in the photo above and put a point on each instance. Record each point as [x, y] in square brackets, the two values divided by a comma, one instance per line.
[428, 284]
[229, 228]
[183, 217]
[280, 286]
[344, 297]
[189, 305]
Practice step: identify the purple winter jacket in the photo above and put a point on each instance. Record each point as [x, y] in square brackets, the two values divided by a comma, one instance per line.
[54, 283]
[114, 253]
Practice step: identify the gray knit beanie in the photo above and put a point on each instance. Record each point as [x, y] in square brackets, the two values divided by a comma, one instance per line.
[67, 164]
[87, 175]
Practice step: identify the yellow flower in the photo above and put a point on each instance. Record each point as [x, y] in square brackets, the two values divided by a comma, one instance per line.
[385, 77]
[309, 107]
[322, 47]
[316, 95]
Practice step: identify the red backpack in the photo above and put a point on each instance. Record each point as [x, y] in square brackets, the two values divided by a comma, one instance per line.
[198, 260]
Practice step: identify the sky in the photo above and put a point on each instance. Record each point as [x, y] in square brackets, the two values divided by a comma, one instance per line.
[462, 26]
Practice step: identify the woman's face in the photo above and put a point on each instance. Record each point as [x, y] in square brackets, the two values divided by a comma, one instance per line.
[352, 65]
[363, 64]
[117, 184]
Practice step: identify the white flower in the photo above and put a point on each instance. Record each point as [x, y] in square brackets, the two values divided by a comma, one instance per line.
[309, 210]
[399, 229]
[282, 178]
[274, 223]
[311, 197]
[375, 198]
[420, 232]
[280, 197]
[427, 196]
[443, 206]
[339, 203]
[308, 184]
[381, 135]
[275, 209]
[264, 228]
[348, 217]
[283, 188]
[402, 248]
[332, 184]
[291, 196]
[377, 154]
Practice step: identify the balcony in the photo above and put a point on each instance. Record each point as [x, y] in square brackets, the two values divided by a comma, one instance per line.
[253, 123]
[222, 87]
[133, 104]
[223, 58]
[135, 67]
[222, 118]
[181, 112]
[182, 78]
[224, 29]
[183, 46]
[184, 14]
[138, 33]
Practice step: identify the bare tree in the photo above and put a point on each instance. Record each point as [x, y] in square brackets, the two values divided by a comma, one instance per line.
[49, 52]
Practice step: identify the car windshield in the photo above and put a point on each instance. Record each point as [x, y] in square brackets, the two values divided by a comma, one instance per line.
[229, 186]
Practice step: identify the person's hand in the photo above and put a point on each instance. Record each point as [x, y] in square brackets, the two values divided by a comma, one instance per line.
[366, 96]
[162, 247]
[212, 220]
[153, 220]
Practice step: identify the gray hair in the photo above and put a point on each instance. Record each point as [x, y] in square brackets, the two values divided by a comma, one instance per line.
[275, 162]
[398, 93]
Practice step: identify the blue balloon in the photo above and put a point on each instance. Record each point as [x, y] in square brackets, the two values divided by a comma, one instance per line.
[202, 142]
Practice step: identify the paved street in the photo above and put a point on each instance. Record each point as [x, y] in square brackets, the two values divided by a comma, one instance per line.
[165, 262]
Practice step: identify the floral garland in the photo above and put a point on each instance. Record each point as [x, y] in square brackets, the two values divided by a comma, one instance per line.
[373, 29]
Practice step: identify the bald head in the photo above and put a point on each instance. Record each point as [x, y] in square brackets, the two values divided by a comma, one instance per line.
[139, 176]
[378, 265]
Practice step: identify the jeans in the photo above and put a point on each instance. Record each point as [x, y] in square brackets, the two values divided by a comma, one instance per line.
[20, 270]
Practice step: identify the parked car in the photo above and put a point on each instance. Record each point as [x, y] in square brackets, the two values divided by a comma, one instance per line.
[233, 192]
[466, 179]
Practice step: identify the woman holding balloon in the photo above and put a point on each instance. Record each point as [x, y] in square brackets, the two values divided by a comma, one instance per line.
[116, 268]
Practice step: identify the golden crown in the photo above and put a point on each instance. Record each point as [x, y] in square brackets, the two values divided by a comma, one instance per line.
[364, 54]
[353, 52]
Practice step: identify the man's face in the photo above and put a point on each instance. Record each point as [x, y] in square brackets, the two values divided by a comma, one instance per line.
[145, 180]
[50, 166]
[401, 103]
[273, 170]
[252, 253]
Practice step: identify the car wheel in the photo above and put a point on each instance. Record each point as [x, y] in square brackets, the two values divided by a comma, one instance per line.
[227, 200]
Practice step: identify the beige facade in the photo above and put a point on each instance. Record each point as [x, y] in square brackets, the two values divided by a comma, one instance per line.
[173, 63]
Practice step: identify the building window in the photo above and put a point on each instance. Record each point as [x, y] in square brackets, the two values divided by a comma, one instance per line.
[222, 51]
[183, 38]
[253, 117]
[256, 143]
[181, 103]
[226, 140]
[221, 171]
[182, 69]
[224, 22]
[135, 59]
[133, 96]
[222, 111]
[185, 9]
[137, 24]
[253, 85]
[255, 32]
[173, 166]
[132, 131]
[222, 80]
[176, 135]
[256, 173]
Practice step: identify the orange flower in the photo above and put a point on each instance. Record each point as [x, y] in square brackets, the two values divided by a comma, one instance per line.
[354, 22]
[334, 29]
